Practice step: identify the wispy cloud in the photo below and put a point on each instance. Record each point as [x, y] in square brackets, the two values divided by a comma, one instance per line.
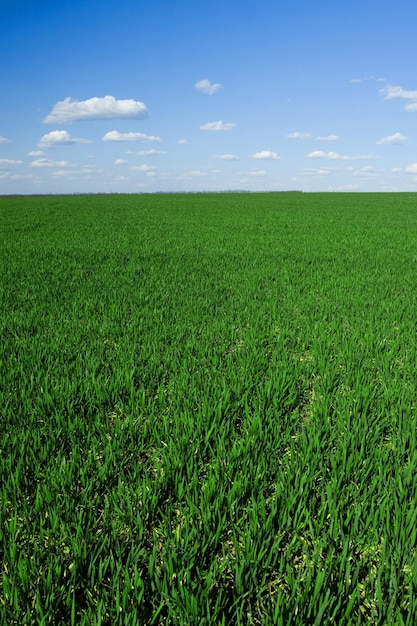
[59, 137]
[266, 154]
[396, 138]
[107, 108]
[4, 140]
[411, 169]
[320, 154]
[143, 168]
[205, 86]
[328, 138]
[120, 162]
[298, 135]
[151, 152]
[255, 172]
[7, 162]
[219, 125]
[390, 92]
[49, 163]
[114, 135]
[366, 172]
[227, 157]
[192, 174]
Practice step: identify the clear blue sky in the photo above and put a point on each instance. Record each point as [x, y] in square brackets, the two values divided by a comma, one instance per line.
[131, 96]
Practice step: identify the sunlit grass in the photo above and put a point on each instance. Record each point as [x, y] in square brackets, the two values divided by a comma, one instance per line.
[209, 409]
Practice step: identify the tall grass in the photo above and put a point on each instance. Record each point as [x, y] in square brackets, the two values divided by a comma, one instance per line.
[209, 409]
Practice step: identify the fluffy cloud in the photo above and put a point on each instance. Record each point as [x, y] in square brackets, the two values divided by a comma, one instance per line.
[207, 87]
[59, 137]
[320, 154]
[182, 142]
[114, 135]
[298, 135]
[227, 157]
[394, 91]
[328, 138]
[4, 140]
[396, 138]
[411, 169]
[266, 154]
[120, 162]
[220, 125]
[107, 108]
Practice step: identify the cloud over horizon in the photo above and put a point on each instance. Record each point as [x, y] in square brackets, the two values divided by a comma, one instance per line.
[107, 108]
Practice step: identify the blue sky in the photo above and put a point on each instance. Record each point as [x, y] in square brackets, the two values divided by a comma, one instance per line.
[179, 95]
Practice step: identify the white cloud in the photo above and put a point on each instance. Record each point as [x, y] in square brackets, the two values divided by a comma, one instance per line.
[59, 137]
[151, 152]
[4, 140]
[219, 125]
[120, 162]
[192, 174]
[7, 162]
[356, 81]
[255, 172]
[320, 154]
[266, 154]
[411, 169]
[366, 172]
[34, 153]
[298, 135]
[394, 91]
[226, 157]
[143, 168]
[49, 163]
[207, 87]
[182, 142]
[107, 108]
[396, 138]
[328, 138]
[114, 135]
[322, 171]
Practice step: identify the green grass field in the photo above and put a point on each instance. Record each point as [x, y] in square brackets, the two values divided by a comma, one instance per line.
[209, 410]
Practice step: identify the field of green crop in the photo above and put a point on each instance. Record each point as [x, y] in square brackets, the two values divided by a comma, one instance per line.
[209, 410]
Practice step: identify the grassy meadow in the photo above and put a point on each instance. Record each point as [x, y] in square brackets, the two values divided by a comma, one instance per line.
[208, 410]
